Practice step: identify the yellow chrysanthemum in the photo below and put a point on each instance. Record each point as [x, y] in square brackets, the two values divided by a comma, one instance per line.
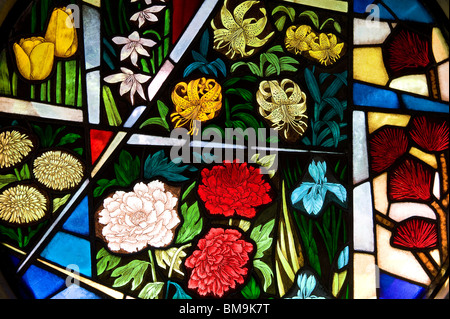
[326, 50]
[58, 170]
[200, 100]
[14, 146]
[238, 33]
[22, 204]
[298, 38]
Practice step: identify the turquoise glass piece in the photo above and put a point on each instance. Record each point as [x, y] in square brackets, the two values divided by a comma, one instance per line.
[395, 288]
[41, 282]
[420, 104]
[78, 222]
[75, 292]
[68, 250]
[367, 95]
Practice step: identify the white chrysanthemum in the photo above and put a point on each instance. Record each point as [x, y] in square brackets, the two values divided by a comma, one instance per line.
[144, 217]
[58, 170]
[14, 146]
[22, 204]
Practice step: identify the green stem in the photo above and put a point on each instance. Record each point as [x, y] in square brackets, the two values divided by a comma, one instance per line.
[172, 263]
[17, 174]
[152, 264]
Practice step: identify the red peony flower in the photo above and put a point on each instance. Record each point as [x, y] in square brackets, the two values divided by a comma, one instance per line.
[219, 263]
[415, 233]
[386, 146]
[233, 188]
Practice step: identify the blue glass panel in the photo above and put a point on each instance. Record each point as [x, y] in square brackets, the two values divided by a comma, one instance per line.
[41, 282]
[367, 95]
[75, 292]
[360, 6]
[410, 10]
[384, 13]
[78, 222]
[419, 104]
[65, 249]
[395, 288]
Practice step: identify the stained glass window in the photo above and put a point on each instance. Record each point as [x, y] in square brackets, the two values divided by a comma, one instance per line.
[224, 149]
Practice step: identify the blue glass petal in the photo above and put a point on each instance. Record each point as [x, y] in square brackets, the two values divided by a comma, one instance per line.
[313, 201]
[300, 192]
[338, 190]
[343, 258]
[314, 171]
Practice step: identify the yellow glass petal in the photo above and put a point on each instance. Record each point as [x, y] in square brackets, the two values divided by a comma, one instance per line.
[62, 34]
[41, 59]
[324, 41]
[29, 44]
[23, 61]
[240, 11]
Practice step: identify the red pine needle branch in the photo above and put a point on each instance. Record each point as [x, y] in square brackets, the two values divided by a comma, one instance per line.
[386, 146]
[407, 50]
[415, 233]
[432, 136]
[411, 180]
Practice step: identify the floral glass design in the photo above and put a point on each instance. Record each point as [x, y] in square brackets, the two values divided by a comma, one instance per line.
[224, 149]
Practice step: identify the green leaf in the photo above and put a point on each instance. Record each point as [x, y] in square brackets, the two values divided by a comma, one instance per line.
[188, 190]
[127, 170]
[312, 85]
[158, 165]
[279, 24]
[232, 81]
[288, 10]
[254, 68]
[112, 113]
[103, 185]
[151, 290]
[106, 262]
[273, 60]
[336, 105]
[132, 272]
[266, 271]
[5, 84]
[244, 93]
[179, 293]
[337, 26]
[313, 16]
[156, 121]
[248, 119]
[6, 179]
[25, 172]
[58, 202]
[192, 225]
[236, 65]
[68, 139]
[251, 289]
[275, 48]
[261, 236]
[325, 22]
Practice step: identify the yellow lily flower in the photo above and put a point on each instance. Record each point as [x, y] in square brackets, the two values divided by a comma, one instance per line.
[299, 38]
[238, 33]
[62, 33]
[284, 105]
[34, 58]
[197, 101]
[327, 51]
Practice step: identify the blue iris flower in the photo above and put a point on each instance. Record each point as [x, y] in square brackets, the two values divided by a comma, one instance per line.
[312, 195]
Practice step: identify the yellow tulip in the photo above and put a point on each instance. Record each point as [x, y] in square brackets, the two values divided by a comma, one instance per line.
[61, 31]
[34, 57]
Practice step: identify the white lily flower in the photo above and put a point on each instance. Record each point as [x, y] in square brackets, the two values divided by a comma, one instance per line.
[130, 82]
[133, 46]
[147, 14]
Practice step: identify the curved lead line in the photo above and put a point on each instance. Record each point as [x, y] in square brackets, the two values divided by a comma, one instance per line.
[37, 247]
